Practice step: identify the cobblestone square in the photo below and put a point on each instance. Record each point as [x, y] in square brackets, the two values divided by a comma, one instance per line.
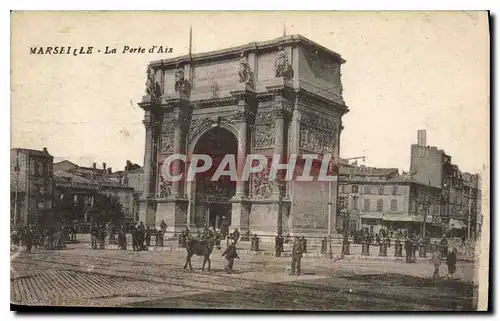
[78, 276]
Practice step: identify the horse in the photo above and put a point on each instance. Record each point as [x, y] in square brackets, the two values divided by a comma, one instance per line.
[201, 248]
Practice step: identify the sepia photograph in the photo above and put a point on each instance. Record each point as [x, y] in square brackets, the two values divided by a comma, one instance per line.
[250, 160]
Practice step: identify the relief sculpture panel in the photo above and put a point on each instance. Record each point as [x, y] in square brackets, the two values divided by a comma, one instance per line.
[316, 140]
[264, 136]
[262, 188]
[318, 133]
[167, 136]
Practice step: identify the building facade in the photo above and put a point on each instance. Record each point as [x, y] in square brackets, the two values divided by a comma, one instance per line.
[460, 191]
[280, 97]
[31, 185]
[80, 186]
[380, 198]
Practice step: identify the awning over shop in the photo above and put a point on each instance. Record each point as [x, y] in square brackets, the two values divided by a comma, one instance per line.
[456, 224]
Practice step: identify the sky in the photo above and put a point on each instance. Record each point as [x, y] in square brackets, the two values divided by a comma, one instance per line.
[405, 71]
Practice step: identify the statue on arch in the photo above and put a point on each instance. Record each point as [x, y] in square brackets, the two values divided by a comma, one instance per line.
[152, 87]
[244, 71]
[282, 65]
[181, 83]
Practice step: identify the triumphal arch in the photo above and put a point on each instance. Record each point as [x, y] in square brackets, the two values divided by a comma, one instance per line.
[281, 96]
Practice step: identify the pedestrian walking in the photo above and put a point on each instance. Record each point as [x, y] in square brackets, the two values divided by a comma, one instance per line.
[436, 260]
[451, 261]
[463, 240]
[297, 251]
[230, 253]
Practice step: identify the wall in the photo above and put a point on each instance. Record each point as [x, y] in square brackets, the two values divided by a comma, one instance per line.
[426, 164]
[317, 72]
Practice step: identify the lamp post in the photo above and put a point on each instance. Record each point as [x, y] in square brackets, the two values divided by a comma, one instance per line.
[426, 206]
[17, 170]
[469, 218]
[330, 254]
[281, 188]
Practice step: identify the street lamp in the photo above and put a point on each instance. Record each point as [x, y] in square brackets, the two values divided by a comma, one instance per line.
[281, 189]
[426, 205]
[345, 241]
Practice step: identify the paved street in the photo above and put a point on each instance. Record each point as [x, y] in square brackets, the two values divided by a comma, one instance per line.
[78, 276]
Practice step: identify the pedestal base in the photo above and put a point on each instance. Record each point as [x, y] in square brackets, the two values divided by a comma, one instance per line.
[240, 216]
[147, 209]
[173, 211]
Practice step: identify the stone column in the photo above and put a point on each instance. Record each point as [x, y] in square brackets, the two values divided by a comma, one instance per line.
[241, 119]
[294, 149]
[176, 165]
[174, 209]
[148, 157]
[279, 138]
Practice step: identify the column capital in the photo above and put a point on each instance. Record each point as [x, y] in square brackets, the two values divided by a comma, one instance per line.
[242, 116]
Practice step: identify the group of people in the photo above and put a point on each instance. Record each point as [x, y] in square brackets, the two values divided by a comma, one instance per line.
[451, 262]
[36, 236]
[141, 235]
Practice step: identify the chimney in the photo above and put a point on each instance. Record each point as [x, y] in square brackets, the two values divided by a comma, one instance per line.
[109, 170]
[94, 165]
[104, 166]
[422, 137]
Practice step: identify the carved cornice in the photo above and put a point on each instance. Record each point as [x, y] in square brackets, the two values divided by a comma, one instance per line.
[307, 98]
[223, 101]
[242, 116]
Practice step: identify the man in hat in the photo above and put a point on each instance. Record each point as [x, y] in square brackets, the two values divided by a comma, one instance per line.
[297, 251]
[230, 253]
[236, 235]
[278, 244]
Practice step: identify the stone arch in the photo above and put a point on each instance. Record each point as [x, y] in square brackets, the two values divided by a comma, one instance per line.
[205, 128]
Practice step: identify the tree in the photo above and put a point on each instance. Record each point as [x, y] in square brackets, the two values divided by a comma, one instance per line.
[107, 208]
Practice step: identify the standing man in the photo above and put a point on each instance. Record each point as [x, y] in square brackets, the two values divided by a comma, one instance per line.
[163, 226]
[122, 238]
[140, 235]
[444, 247]
[28, 239]
[278, 244]
[236, 236]
[436, 260]
[296, 256]
[408, 249]
[230, 253]
[93, 236]
[135, 243]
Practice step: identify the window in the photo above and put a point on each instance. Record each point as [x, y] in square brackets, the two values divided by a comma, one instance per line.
[342, 202]
[380, 205]
[394, 190]
[394, 205]
[381, 190]
[354, 204]
[367, 205]
[355, 189]
[367, 190]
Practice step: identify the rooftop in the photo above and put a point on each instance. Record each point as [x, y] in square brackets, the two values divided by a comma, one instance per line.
[253, 46]
[36, 152]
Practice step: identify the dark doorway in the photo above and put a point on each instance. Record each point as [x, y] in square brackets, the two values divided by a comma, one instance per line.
[217, 143]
